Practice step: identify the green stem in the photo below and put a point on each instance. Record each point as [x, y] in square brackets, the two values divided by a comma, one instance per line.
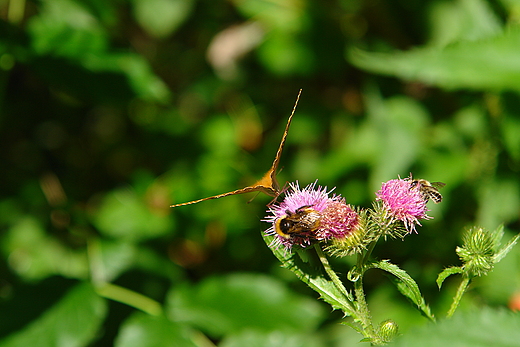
[333, 276]
[130, 298]
[364, 259]
[359, 310]
[463, 286]
[364, 312]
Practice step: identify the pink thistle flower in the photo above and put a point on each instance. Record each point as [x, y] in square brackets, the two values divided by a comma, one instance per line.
[403, 202]
[308, 215]
[338, 220]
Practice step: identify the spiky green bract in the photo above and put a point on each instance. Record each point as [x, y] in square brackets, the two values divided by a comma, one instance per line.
[479, 254]
[381, 222]
[478, 250]
[353, 243]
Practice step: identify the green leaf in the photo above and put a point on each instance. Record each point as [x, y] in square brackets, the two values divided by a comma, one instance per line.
[142, 330]
[123, 214]
[160, 18]
[284, 55]
[456, 66]
[66, 28]
[34, 254]
[229, 304]
[406, 285]
[446, 273]
[314, 277]
[278, 338]
[283, 15]
[482, 328]
[399, 122]
[504, 250]
[74, 321]
[456, 20]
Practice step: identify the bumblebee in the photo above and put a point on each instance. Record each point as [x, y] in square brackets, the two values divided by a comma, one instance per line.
[303, 222]
[429, 190]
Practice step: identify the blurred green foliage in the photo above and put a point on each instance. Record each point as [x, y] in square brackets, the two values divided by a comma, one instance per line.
[110, 111]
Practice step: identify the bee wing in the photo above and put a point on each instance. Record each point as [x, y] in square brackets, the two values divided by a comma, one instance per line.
[438, 184]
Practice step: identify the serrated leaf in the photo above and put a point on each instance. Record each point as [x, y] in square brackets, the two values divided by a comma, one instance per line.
[313, 277]
[142, 330]
[446, 273]
[482, 328]
[455, 66]
[504, 250]
[406, 285]
[229, 304]
[73, 321]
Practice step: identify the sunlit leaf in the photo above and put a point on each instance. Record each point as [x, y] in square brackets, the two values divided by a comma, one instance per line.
[66, 28]
[506, 249]
[272, 339]
[123, 214]
[459, 65]
[142, 330]
[162, 17]
[285, 15]
[314, 276]
[35, 255]
[446, 273]
[406, 285]
[74, 321]
[229, 304]
[482, 328]
[462, 20]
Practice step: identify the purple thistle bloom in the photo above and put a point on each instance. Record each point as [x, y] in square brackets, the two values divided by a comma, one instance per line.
[308, 215]
[404, 202]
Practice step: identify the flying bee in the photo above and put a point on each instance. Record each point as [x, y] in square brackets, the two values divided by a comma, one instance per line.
[429, 190]
[302, 222]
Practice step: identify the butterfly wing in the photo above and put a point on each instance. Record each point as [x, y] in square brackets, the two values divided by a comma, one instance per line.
[268, 183]
[248, 189]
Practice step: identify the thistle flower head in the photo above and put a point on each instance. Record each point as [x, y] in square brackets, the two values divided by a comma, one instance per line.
[338, 220]
[478, 250]
[308, 215]
[403, 202]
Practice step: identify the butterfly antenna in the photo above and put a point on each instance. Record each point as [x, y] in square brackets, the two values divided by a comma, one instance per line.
[282, 143]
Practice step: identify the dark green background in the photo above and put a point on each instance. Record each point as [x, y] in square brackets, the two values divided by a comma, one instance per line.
[110, 111]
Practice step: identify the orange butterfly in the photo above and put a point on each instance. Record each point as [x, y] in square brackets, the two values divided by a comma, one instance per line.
[268, 183]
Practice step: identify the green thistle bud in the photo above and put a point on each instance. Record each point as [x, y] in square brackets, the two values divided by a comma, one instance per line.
[478, 251]
[352, 243]
[388, 329]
